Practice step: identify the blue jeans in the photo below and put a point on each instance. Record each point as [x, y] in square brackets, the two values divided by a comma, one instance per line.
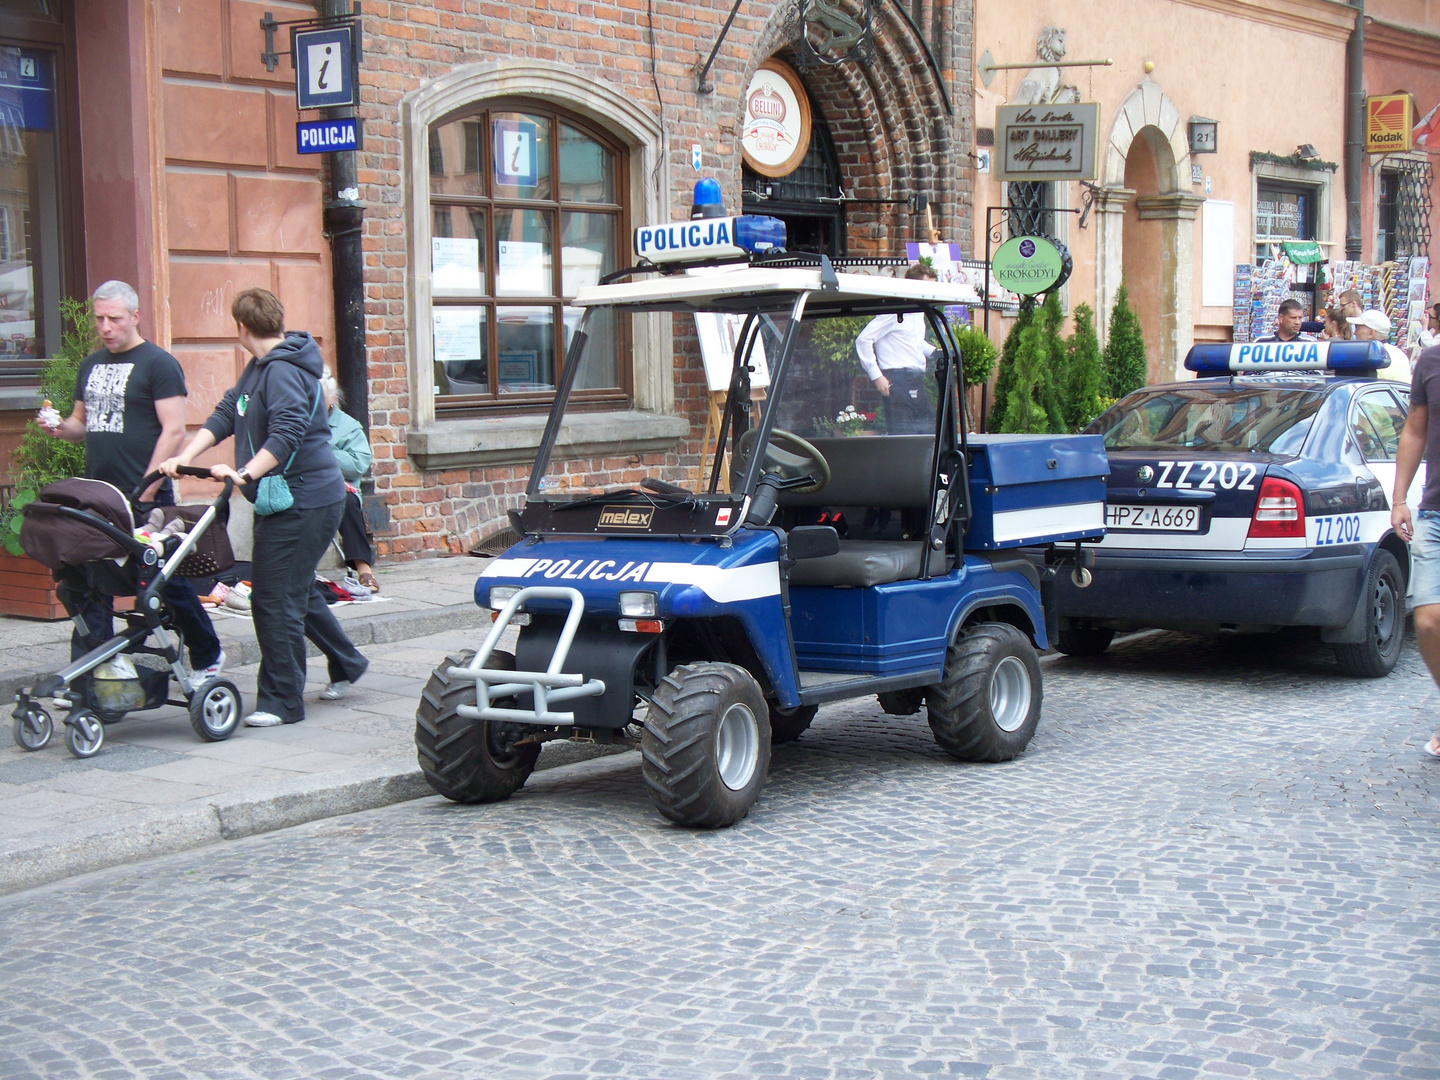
[287, 609]
[97, 611]
[1425, 558]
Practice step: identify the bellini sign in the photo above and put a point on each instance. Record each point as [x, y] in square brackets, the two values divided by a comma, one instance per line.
[1046, 142]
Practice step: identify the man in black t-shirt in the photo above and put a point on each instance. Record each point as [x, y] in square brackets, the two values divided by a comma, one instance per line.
[130, 414]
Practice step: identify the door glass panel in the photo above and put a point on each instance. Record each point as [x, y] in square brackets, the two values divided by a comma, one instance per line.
[1386, 422]
[587, 251]
[455, 158]
[520, 150]
[30, 270]
[457, 251]
[523, 259]
[525, 351]
[462, 354]
[587, 169]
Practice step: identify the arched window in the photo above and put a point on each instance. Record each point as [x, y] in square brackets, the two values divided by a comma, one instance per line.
[527, 206]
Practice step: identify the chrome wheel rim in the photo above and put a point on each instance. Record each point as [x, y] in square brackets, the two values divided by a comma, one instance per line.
[1010, 694]
[88, 733]
[737, 747]
[221, 710]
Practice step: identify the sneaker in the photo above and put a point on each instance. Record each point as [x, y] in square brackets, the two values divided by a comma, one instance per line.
[334, 691]
[217, 594]
[263, 719]
[213, 671]
[238, 598]
[356, 590]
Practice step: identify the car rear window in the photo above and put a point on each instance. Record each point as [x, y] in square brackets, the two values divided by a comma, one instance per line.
[1233, 417]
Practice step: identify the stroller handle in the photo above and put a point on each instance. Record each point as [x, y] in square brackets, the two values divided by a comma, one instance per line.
[183, 470]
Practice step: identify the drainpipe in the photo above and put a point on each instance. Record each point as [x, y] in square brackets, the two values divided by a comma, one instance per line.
[1354, 130]
[344, 224]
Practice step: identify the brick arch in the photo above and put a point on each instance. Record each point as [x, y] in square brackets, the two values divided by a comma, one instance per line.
[883, 119]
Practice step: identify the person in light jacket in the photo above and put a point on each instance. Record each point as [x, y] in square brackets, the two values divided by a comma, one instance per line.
[276, 414]
[353, 455]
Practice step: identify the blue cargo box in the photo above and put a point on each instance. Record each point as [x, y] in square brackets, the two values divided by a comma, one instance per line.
[1035, 489]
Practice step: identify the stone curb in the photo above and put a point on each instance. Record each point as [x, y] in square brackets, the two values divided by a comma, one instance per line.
[380, 629]
[151, 833]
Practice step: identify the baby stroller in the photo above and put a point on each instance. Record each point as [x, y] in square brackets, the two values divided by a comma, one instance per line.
[85, 531]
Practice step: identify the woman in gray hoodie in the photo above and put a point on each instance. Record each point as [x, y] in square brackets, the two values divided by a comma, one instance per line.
[277, 414]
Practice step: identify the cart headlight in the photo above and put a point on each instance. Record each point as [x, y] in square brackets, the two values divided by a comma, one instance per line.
[500, 595]
[637, 605]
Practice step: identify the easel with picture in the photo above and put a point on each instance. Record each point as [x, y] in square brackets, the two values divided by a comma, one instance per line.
[719, 336]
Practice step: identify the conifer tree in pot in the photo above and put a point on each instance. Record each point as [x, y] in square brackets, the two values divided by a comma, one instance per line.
[1124, 362]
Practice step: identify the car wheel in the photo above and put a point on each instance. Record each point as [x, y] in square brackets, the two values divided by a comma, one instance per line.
[706, 748]
[987, 704]
[1375, 657]
[1076, 640]
[787, 725]
[468, 761]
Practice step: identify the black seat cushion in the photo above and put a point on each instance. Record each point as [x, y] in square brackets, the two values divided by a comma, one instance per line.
[861, 563]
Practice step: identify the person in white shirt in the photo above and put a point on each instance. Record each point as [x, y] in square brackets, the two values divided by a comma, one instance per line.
[1374, 325]
[893, 353]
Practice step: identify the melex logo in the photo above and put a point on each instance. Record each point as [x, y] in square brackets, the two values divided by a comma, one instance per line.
[626, 517]
[1387, 123]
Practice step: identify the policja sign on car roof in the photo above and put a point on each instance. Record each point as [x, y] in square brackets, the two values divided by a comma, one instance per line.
[1030, 264]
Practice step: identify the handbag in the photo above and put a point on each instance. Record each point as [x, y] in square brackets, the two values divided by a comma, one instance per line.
[273, 494]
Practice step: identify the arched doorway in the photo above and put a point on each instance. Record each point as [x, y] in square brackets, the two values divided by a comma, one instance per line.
[808, 199]
[1148, 147]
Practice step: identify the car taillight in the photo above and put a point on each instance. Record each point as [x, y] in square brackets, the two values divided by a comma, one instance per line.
[1279, 511]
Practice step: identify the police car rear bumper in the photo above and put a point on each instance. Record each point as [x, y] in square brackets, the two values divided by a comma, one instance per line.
[1209, 589]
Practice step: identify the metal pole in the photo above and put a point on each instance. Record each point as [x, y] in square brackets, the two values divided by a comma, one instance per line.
[344, 224]
[1354, 130]
[985, 387]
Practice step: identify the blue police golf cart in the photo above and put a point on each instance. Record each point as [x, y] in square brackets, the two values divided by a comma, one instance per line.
[835, 543]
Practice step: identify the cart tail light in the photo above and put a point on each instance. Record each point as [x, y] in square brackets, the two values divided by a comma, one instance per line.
[1279, 511]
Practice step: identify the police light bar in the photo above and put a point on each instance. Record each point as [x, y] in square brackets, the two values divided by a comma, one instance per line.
[711, 240]
[1280, 356]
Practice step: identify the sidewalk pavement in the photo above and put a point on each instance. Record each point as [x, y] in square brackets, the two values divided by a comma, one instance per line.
[155, 788]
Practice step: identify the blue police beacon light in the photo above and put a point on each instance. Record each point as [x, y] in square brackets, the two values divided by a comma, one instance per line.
[1277, 356]
[708, 202]
[710, 236]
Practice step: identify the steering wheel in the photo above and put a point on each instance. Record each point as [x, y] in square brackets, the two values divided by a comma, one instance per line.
[787, 454]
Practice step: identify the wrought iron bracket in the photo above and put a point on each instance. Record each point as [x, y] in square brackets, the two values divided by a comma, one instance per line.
[270, 58]
[701, 86]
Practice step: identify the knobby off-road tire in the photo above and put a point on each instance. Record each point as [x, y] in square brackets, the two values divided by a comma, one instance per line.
[787, 725]
[987, 704]
[460, 757]
[706, 747]
[1384, 596]
[1076, 640]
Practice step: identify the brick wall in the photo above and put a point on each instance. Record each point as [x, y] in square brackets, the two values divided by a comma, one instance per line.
[241, 208]
[892, 132]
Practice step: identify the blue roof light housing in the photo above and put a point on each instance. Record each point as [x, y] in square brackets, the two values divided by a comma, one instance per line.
[1270, 357]
[708, 202]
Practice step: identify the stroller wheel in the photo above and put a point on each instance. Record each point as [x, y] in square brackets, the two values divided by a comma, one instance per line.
[33, 730]
[215, 710]
[84, 733]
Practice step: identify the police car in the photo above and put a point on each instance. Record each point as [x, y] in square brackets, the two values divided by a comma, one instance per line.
[1255, 497]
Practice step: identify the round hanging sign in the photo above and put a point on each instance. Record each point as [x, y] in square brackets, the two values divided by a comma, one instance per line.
[775, 133]
[1028, 265]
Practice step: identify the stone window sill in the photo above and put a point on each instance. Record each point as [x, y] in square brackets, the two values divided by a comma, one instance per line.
[513, 440]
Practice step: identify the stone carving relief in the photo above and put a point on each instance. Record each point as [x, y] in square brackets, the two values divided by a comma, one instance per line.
[1043, 85]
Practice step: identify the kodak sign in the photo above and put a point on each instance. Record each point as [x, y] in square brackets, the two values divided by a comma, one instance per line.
[1388, 121]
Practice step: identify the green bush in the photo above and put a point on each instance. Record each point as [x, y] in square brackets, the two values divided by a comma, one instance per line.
[1124, 365]
[40, 458]
[977, 354]
[1030, 400]
[1005, 380]
[1082, 391]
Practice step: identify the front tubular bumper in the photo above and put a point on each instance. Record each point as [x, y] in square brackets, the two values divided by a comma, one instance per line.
[549, 687]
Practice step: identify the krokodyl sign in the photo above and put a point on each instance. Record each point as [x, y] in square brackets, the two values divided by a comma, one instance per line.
[1046, 142]
[1028, 265]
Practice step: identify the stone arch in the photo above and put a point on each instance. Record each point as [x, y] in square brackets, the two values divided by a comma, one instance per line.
[889, 121]
[557, 84]
[1149, 115]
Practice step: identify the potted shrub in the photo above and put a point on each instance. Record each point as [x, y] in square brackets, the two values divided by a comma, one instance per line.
[26, 587]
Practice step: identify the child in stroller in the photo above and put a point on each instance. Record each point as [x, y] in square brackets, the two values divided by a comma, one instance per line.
[85, 531]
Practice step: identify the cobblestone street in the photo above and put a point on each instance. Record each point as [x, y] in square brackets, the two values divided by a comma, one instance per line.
[1212, 861]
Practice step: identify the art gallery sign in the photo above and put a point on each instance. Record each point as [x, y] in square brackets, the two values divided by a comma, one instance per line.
[1047, 142]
